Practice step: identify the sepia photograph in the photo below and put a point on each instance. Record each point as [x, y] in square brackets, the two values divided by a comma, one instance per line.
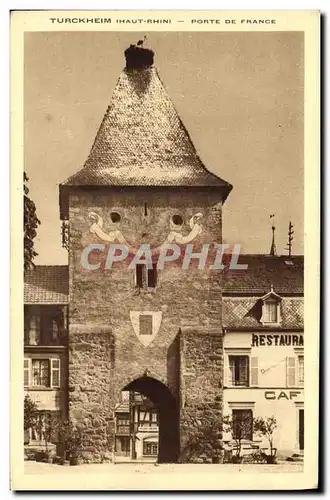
[163, 185]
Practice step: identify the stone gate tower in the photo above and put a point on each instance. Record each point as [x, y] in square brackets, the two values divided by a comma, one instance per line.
[156, 331]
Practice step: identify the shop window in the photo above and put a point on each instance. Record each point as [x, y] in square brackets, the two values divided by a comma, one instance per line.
[239, 371]
[242, 424]
[150, 448]
[300, 370]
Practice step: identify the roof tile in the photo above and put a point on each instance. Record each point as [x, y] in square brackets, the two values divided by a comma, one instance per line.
[142, 141]
[46, 285]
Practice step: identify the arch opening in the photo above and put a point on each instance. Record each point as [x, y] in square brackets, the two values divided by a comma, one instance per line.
[151, 417]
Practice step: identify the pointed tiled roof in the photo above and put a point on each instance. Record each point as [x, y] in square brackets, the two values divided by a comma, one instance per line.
[143, 142]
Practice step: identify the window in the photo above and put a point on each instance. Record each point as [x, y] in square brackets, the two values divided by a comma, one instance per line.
[150, 448]
[148, 417]
[239, 370]
[123, 424]
[242, 424]
[146, 278]
[42, 373]
[44, 325]
[177, 220]
[115, 217]
[45, 427]
[300, 370]
[270, 311]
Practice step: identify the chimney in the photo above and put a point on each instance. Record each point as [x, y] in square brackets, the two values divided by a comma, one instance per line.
[137, 57]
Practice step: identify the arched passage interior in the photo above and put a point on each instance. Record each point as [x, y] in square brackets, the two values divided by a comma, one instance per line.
[166, 404]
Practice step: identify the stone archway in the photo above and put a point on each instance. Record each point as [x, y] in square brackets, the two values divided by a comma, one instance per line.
[166, 404]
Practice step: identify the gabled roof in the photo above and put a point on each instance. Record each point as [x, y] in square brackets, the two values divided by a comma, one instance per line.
[285, 274]
[271, 295]
[46, 285]
[143, 142]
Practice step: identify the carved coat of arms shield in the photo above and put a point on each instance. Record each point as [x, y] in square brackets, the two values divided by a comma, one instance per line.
[146, 325]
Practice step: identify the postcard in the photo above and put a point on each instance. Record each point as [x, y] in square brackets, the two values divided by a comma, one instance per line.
[165, 279]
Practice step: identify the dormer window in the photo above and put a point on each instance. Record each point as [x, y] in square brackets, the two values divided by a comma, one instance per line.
[271, 313]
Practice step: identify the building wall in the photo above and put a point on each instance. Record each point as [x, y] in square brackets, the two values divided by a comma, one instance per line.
[274, 386]
[105, 298]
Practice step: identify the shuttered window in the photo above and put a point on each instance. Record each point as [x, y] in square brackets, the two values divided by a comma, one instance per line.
[239, 370]
[42, 373]
[290, 371]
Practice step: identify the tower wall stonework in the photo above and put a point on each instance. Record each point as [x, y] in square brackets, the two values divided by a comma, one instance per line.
[201, 394]
[105, 353]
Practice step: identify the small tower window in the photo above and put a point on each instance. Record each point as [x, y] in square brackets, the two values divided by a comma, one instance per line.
[177, 220]
[145, 278]
[145, 209]
[115, 217]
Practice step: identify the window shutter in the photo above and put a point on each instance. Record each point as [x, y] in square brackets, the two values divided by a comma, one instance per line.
[228, 371]
[254, 372]
[290, 371]
[152, 276]
[244, 370]
[139, 275]
[27, 370]
[55, 373]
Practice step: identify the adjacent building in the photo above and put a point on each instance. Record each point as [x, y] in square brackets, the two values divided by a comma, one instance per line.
[45, 348]
[263, 312]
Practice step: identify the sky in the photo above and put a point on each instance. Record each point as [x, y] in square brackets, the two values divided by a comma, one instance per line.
[240, 96]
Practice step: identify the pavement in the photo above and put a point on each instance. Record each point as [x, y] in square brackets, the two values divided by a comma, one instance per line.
[37, 468]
